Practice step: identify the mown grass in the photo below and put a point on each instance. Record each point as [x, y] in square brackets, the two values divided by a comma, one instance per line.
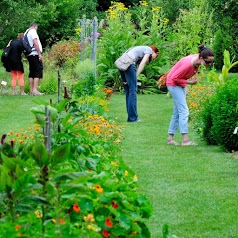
[15, 111]
[192, 189]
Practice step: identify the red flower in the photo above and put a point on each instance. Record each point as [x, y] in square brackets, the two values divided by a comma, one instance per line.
[108, 222]
[105, 233]
[76, 208]
[114, 204]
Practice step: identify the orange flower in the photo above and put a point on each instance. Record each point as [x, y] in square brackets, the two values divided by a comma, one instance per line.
[105, 233]
[17, 227]
[61, 221]
[76, 208]
[99, 189]
[108, 222]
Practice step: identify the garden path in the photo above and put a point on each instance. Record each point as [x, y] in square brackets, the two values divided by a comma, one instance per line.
[192, 189]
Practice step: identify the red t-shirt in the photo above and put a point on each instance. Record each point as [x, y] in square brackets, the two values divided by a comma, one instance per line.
[181, 72]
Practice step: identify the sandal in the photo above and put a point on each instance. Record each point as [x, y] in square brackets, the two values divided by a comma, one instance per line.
[38, 94]
[185, 143]
[172, 142]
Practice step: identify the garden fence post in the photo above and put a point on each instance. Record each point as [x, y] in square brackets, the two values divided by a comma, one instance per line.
[58, 86]
[86, 28]
[94, 43]
[82, 33]
[47, 131]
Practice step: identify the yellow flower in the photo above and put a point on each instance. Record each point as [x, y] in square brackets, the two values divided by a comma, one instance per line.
[114, 163]
[166, 20]
[77, 31]
[143, 3]
[89, 218]
[53, 220]
[135, 177]
[126, 173]
[38, 214]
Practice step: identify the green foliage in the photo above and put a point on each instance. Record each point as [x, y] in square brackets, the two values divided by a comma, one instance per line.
[207, 123]
[14, 18]
[85, 86]
[224, 115]
[228, 65]
[150, 30]
[49, 84]
[192, 28]
[220, 116]
[225, 14]
[221, 44]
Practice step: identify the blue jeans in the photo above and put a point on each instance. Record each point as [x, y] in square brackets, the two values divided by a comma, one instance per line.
[180, 111]
[130, 88]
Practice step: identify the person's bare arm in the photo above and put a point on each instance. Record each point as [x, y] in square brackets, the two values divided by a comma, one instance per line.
[36, 46]
[142, 64]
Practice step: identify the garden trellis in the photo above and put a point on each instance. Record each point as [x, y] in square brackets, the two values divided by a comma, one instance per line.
[88, 37]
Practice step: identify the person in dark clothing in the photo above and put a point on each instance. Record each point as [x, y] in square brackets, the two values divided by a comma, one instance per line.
[15, 65]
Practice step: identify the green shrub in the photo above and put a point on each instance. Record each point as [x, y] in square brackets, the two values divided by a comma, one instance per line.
[220, 116]
[225, 115]
[221, 43]
[86, 86]
[207, 122]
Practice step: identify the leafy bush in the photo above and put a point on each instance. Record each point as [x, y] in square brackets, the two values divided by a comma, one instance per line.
[221, 44]
[85, 86]
[64, 50]
[220, 114]
[207, 122]
[225, 115]
[190, 29]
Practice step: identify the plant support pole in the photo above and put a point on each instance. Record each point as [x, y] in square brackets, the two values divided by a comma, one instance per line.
[58, 86]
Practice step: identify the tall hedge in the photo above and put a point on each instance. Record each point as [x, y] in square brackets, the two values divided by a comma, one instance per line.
[222, 117]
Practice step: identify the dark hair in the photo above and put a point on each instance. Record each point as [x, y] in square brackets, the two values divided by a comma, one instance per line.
[154, 48]
[33, 24]
[204, 52]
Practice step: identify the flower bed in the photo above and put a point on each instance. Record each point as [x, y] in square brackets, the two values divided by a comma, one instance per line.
[81, 187]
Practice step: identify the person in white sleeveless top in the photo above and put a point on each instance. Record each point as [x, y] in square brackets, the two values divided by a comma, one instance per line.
[35, 59]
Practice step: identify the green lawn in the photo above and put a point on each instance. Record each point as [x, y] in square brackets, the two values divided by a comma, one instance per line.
[15, 111]
[192, 189]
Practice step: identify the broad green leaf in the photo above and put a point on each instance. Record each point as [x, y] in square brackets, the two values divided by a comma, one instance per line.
[39, 154]
[227, 61]
[91, 163]
[60, 154]
[124, 221]
[35, 200]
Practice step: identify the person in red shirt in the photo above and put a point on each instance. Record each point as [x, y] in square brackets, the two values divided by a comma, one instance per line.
[177, 80]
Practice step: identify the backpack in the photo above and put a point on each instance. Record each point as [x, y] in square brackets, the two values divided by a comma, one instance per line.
[4, 57]
[25, 45]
